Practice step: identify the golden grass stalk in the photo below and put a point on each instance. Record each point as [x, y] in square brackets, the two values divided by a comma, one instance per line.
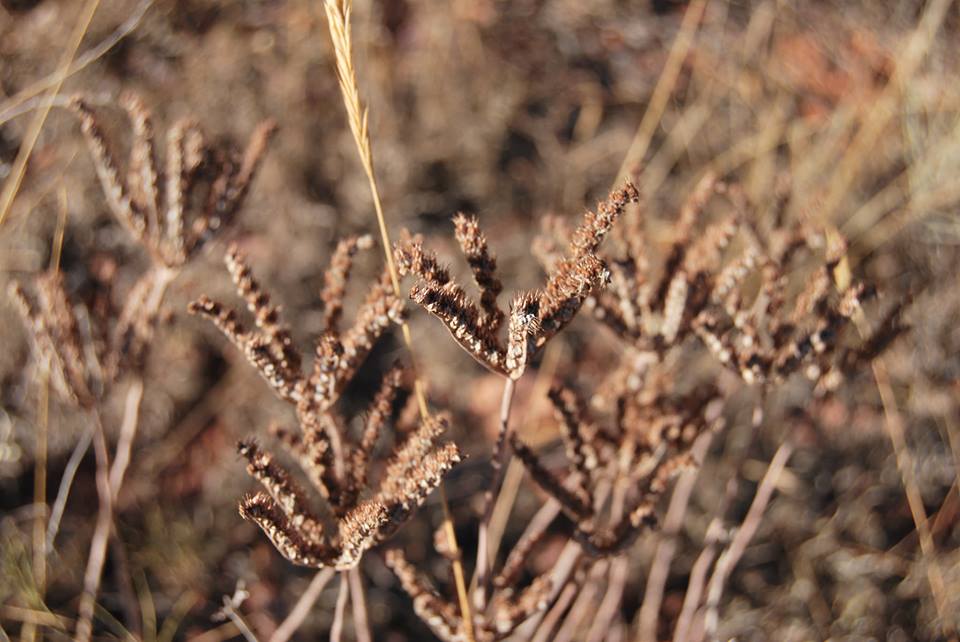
[12, 184]
[338, 20]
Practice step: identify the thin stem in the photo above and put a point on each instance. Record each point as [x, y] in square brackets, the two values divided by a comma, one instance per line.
[339, 613]
[40, 485]
[66, 482]
[729, 558]
[300, 611]
[12, 184]
[361, 621]
[661, 93]
[667, 543]
[101, 533]
[128, 430]
[698, 579]
[481, 579]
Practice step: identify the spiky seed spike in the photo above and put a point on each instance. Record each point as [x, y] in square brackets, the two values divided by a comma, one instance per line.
[107, 170]
[231, 182]
[574, 502]
[484, 267]
[178, 174]
[267, 316]
[614, 540]
[589, 235]
[569, 411]
[567, 289]
[412, 258]
[142, 176]
[461, 318]
[256, 349]
[522, 332]
[38, 324]
[380, 412]
[674, 306]
[64, 332]
[285, 493]
[441, 616]
[513, 566]
[336, 277]
[380, 309]
[692, 209]
[262, 510]
[707, 250]
[326, 369]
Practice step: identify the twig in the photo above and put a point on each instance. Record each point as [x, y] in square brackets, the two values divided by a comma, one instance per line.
[545, 631]
[667, 544]
[101, 533]
[66, 482]
[729, 558]
[128, 429]
[302, 608]
[661, 93]
[361, 620]
[339, 613]
[481, 579]
[583, 606]
[698, 579]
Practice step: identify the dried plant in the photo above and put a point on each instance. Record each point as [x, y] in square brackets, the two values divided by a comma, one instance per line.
[508, 609]
[337, 469]
[534, 317]
[649, 443]
[154, 204]
[735, 300]
[89, 348]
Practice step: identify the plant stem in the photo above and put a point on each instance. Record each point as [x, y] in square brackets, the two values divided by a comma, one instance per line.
[481, 579]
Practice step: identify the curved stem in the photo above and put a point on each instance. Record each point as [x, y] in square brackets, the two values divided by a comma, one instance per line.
[299, 613]
[101, 534]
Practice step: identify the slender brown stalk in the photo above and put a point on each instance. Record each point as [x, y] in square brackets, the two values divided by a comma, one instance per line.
[666, 544]
[361, 619]
[729, 558]
[101, 533]
[695, 585]
[300, 611]
[481, 579]
[339, 612]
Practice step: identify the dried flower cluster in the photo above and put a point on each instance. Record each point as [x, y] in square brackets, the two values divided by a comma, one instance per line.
[337, 467]
[734, 296]
[534, 316]
[154, 204]
[89, 347]
[648, 443]
[509, 608]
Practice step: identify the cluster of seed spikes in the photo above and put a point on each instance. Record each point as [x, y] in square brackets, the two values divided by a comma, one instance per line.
[736, 305]
[336, 466]
[172, 211]
[88, 348]
[508, 609]
[650, 442]
[535, 316]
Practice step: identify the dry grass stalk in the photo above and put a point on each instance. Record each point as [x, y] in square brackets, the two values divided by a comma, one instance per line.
[338, 469]
[338, 21]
